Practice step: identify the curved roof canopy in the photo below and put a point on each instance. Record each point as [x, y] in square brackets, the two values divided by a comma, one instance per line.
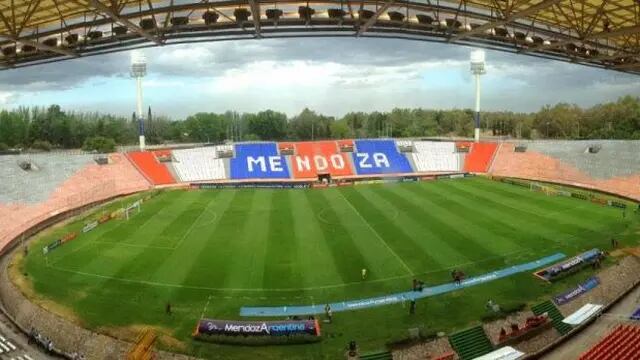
[600, 33]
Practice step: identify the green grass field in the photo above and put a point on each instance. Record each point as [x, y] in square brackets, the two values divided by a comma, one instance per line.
[210, 252]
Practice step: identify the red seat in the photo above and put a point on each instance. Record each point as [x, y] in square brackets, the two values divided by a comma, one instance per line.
[480, 157]
[319, 157]
[156, 172]
[622, 343]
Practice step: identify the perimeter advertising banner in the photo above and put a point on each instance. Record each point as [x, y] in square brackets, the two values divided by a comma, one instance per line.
[589, 284]
[257, 328]
[570, 265]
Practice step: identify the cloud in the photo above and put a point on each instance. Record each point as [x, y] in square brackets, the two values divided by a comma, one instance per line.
[333, 75]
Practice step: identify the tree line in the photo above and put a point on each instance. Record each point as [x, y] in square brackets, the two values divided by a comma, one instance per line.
[51, 127]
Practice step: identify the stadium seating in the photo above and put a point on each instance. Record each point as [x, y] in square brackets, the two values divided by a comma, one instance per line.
[87, 185]
[319, 157]
[471, 343]
[258, 161]
[480, 157]
[615, 168]
[373, 157]
[199, 164]
[433, 156]
[156, 172]
[554, 314]
[50, 170]
[623, 343]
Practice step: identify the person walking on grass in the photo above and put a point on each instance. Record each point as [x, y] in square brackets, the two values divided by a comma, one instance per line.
[364, 274]
[167, 308]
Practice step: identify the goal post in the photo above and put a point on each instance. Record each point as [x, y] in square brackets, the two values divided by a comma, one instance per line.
[132, 209]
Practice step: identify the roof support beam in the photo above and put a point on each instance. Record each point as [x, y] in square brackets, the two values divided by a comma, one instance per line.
[493, 24]
[628, 66]
[601, 35]
[126, 22]
[255, 14]
[41, 46]
[372, 20]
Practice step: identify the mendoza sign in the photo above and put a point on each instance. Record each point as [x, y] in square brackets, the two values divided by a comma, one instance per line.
[257, 328]
[586, 286]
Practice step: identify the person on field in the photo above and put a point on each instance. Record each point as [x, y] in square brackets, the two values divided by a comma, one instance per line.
[328, 313]
[412, 307]
[364, 273]
[167, 308]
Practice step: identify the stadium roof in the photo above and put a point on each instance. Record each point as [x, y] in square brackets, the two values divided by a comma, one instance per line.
[603, 33]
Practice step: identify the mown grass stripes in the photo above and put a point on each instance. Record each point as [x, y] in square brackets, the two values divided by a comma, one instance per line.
[229, 248]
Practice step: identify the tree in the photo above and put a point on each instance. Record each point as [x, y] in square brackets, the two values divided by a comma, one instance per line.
[99, 144]
[268, 125]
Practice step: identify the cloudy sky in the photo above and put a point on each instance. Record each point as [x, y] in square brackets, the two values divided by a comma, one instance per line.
[332, 76]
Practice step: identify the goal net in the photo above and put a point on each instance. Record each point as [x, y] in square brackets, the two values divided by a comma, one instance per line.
[132, 209]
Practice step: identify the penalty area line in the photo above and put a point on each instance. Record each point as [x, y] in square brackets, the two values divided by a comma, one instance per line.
[404, 264]
[193, 225]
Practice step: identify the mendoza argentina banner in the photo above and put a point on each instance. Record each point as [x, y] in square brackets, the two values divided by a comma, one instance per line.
[257, 328]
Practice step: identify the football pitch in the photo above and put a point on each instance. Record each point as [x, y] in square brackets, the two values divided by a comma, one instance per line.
[210, 252]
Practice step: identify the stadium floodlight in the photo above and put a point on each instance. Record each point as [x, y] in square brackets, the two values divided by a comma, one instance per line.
[477, 69]
[138, 71]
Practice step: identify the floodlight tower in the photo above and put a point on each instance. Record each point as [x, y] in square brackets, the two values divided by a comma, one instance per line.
[138, 71]
[477, 69]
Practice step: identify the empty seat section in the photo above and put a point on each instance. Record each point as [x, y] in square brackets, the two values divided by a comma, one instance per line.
[431, 156]
[199, 164]
[259, 161]
[373, 157]
[615, 168]
[47, 172]
[621, 344]
[155, 171]
[319, 157]
[479, 158]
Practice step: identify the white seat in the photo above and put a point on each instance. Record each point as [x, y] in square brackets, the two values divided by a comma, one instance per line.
[199, 164]
[434, 156]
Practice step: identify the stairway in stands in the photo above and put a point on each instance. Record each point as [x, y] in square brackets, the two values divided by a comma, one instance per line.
[471, 343]
[554, 314]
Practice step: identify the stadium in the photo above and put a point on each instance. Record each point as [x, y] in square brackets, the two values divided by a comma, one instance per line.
[332, 247]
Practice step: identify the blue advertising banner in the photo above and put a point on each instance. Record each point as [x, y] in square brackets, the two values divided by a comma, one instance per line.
[586, 286]
[574, 263]
[258, 328]
[348, 305]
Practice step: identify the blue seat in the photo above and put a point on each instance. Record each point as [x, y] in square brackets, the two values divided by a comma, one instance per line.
[379, 157]
[259, 161]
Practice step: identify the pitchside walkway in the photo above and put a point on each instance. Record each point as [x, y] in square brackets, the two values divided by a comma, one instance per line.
[282, 311]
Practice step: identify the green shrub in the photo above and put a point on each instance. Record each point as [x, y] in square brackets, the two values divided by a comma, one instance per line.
[505, 310]
[99, 144]
[41, 145]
